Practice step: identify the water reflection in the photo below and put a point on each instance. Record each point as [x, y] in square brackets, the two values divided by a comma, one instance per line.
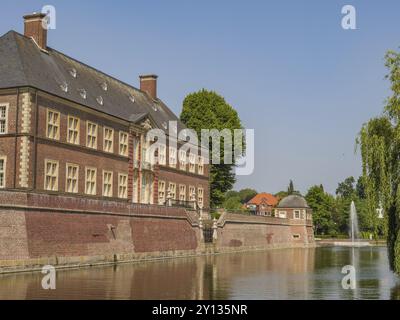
[275, 274]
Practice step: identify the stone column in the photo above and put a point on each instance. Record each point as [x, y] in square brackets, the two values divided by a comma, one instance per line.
[201, 229]
[215, 228]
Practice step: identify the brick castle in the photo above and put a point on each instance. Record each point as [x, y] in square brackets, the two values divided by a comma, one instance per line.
[76, 181]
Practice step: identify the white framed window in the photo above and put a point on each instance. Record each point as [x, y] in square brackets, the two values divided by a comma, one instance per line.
[200, 167]
[51, 175]
[3, 172]
[182, 159]
[172, 190]
[172, 157]
[108, 137]
[122, 186]
[309, 216]
[162, 155]
[72, 178]
[135, 189]
[182, 192]
[146, 192]
[107, 183]
[91, 135]
[192, 193]
[200, 197]
[73, 130]
[192, 163]
[282, 214]
[303, 214]
[123, 143]
[144, 146]
[53, 125]
[296, 214]
[90, 181]
[161, 192]
[3, 118]
[136, 151]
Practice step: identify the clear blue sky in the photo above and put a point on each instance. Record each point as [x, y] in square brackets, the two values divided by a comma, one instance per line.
[295, 76]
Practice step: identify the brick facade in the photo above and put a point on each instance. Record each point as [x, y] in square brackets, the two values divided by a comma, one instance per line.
[27, 146]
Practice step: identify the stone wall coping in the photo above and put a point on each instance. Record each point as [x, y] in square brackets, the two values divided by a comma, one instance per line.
[248, 219]
[32, 201]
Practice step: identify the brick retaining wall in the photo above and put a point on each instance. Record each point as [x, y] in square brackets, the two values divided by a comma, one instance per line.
[38, 229]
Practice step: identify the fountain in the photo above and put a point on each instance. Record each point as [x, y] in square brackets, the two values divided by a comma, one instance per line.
[353, 230]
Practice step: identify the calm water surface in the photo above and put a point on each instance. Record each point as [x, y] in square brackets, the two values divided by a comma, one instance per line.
[275, 274]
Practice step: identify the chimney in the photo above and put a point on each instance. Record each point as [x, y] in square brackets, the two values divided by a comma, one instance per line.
[34, 28]
[148, 84]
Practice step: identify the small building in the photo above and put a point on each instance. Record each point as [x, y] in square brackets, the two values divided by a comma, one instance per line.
[293, 207]
[262, 204]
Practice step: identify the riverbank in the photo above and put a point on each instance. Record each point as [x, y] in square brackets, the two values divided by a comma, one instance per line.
[335, 241]
[297, 273]
[64, 263]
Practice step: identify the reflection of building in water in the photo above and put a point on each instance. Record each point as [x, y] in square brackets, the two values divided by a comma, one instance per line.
[269, 274]
[275, 274]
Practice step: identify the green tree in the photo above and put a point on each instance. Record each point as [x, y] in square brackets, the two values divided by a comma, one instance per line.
[379, 141]
[345, 189]
[290, 189]
[208, 110]
[322, 205]
[231, 194]
[281, 194]
[233, 203]
[360, 188]
[346, 193]
[247, 194]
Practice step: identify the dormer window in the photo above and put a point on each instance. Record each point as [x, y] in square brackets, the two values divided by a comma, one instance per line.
[64, 87]
[73, 73]
[100, 100]
[104, 86]
[83, 93]
[132, 98]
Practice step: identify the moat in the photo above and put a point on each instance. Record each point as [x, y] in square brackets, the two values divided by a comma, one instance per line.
[274, 274]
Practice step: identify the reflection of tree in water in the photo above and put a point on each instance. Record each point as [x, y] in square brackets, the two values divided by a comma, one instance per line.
[210, 276]
[395, 292]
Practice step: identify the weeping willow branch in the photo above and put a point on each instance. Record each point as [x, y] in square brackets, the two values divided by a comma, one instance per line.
[379, 141]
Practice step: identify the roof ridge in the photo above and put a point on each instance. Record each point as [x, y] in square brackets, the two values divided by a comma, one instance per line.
[31, 67]
[82, 63]
[13, 34]
[95, 69]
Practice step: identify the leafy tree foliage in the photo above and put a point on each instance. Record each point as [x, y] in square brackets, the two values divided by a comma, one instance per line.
[321, 203]
[379, 142]
[290, 189]
[360, 188]
[208, 110]
[233, 203]
[346, 188]
[234, 200]
[281, 194]
[246, 195]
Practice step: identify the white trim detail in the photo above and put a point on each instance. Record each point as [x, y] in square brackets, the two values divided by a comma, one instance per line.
[26, 113]
[24, 162]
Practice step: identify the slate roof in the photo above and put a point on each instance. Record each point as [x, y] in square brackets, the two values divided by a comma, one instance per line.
[23, 63]
[293, 201]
